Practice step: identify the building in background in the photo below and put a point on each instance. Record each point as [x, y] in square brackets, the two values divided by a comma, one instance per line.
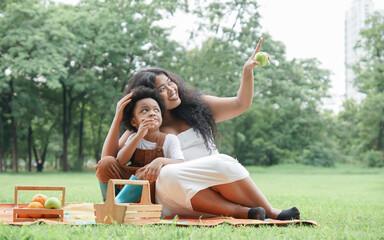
[356, 15]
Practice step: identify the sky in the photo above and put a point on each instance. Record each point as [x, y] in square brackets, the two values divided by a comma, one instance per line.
[311, 29]
[308, 29]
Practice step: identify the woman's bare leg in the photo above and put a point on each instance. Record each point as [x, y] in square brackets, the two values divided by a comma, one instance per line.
[245, 193]
[209, 201]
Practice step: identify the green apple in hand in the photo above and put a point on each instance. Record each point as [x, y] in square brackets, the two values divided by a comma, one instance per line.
[262, 58]
[52, 203]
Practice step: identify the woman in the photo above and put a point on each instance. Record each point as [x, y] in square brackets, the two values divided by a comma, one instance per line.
[212, 184]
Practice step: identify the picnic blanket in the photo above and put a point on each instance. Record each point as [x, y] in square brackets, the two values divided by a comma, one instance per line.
[83, 214]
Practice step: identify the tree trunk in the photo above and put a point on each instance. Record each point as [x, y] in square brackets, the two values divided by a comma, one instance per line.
[29, 163]
[1, 147]
[35, 153]
[380, 146]
[64, 124]
[65, 130]
[64, 162]
[14, 134]
[57, 158]
[40, 157]
[40, 162]
[81, 133]
[99, 143]
[40, 168]
[5, 157]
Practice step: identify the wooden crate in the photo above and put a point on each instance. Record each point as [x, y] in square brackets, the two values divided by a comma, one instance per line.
[122, 213]
[17, 211]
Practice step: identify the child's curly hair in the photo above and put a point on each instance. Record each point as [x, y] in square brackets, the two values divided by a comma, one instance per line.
[138, 94]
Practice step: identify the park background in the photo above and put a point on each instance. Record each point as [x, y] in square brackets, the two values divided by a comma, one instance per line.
[63, 68]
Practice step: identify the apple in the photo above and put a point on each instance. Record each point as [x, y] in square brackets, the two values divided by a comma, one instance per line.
[52, 203]
[262, 58]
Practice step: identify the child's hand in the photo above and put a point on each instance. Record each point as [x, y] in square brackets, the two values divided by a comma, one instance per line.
[144, 126]
[152, 170]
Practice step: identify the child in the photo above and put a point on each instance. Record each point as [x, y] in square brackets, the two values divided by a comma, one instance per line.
[144, 116]
[147, 149]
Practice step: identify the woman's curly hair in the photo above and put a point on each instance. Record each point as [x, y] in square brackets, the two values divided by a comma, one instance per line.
[140, 93]
[193, 110]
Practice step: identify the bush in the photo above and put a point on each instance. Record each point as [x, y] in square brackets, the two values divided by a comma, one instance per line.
[265, 153]
[374, 158]
[319, 154]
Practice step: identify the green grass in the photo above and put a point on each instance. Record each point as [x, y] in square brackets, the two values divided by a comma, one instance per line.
[346, 201]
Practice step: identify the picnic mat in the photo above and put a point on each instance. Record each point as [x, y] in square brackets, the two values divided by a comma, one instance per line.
[83, 214]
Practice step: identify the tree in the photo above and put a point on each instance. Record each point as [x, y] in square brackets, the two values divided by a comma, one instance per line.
[64, 67]
[20, 42]
[72, 57]
[347, 132]
[362, 125]
[285, 116]
[119, 38]
[370, 80]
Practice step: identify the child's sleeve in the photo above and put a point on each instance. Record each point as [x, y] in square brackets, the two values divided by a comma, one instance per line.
[172, 148]
[129, 138]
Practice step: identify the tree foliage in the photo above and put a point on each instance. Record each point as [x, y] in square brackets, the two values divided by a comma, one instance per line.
[285, 117]
[63, 68]
[362, 125]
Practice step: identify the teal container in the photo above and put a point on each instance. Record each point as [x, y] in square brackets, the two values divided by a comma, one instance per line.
[129, 193]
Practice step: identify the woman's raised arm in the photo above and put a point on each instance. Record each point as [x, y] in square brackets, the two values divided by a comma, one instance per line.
[228, 108]
[113, 142]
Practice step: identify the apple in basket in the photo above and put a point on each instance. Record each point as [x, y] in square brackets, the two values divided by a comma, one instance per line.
[52, 203]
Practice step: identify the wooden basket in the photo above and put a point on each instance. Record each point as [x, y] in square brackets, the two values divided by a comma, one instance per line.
[122, 213]
[54, 213]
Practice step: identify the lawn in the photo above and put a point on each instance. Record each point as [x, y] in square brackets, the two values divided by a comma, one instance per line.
[347, 202]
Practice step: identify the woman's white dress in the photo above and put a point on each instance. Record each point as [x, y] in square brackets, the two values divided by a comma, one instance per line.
[178, 183]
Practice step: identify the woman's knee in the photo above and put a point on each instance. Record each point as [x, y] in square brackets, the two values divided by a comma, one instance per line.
[168, 174]
[231, 166]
